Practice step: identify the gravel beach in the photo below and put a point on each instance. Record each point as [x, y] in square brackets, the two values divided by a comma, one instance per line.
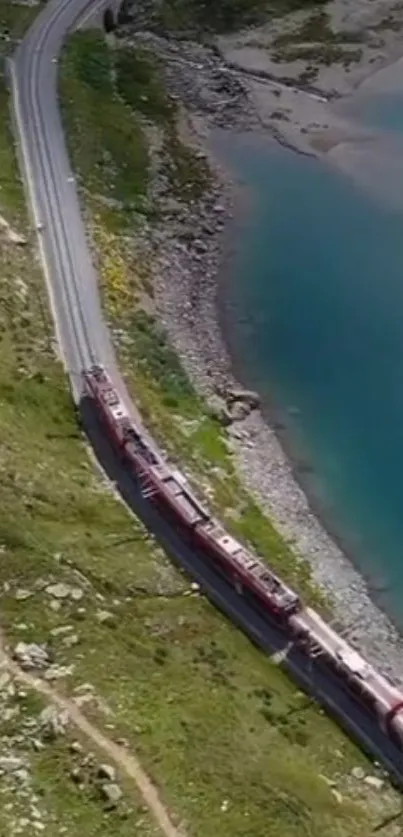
[187, 276]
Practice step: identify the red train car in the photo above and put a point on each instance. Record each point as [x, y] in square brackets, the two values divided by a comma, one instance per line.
[370, 689]
[169, 489]
[111, 409]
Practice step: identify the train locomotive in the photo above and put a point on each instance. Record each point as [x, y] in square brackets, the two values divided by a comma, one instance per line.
[168, 488]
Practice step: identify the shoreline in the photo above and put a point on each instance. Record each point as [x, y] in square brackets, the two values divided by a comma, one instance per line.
[262, 457]
[188, 280]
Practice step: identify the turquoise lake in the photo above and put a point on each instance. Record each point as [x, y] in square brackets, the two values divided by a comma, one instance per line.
[313, 312]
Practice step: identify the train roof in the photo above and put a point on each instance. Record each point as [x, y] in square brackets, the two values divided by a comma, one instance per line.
[259, 571]
[176, 484]
[349, 658]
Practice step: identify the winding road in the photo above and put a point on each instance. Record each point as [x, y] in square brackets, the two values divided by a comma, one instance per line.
[83, 337]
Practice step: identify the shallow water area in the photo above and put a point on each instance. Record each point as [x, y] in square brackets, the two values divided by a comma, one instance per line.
[380, 110]
[313, 314]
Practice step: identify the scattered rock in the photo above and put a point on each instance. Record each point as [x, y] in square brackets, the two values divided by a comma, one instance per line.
[71, 640]
[329, 782]
[85, 687]
[76, 775]
[58, 672]
[358, 773]
[10, 712]
[105, 617]
[218, 409]
[62, 629]
[15, 238]
[374, 782]
[239, 410]
[245, 396]
[22, 775]
[76, 594]
[9, 764]
[58, 591]
[53, 723]
[31, 656]
[111, 793]
[76, 747]
[21, 595]
[106, 771]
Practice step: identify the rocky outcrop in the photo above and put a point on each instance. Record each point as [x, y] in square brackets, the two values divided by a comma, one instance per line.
[230, 405]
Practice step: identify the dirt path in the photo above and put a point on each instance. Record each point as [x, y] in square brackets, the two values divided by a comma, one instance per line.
[123, 760]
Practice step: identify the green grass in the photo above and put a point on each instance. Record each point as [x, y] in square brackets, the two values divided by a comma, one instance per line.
[60, 802]
[211, 717]
[315, 41]
[317, 29]
[111, 150]
[222, 16]
[108, 137]
[322, 54]
[15, 18]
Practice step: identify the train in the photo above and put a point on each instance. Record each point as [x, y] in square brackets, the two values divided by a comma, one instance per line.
[163, 484]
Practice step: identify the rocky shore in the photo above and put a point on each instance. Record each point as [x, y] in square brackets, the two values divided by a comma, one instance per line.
[191, 245]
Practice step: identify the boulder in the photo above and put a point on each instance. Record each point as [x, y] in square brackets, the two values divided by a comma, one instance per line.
[9, 764]
[218, 410]
[374, 782]
[111, 793]
[31, 655]
[358, 772]
[106, 771]
[21, 595]
[239, 410]
[58, 591]
[245, 396]
[53, 723]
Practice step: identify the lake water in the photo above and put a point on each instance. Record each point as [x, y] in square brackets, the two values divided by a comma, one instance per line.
[314, 312]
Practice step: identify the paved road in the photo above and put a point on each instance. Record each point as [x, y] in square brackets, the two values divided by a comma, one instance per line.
[83, 337]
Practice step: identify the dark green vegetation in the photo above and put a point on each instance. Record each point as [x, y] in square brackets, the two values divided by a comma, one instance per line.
[316, 42]
[223, 16]
[112, 134]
